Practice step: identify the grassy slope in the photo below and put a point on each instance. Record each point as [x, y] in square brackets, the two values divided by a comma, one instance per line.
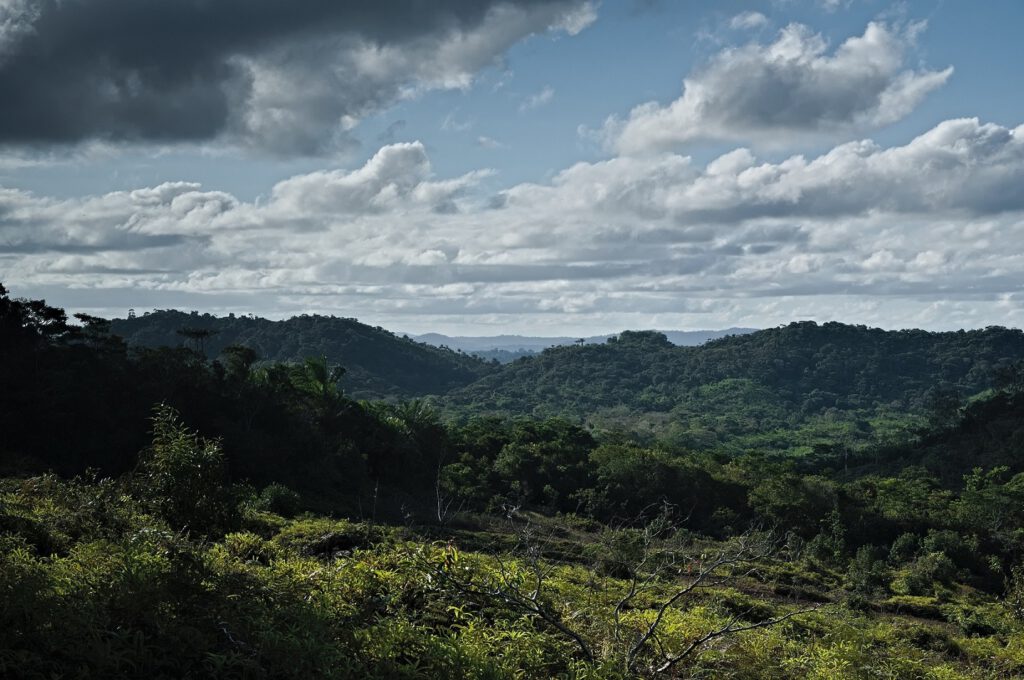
[112, 592]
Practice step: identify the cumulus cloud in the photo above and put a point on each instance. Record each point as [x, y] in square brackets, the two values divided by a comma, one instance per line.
[285, 77]
[793, 87]
[927, 233]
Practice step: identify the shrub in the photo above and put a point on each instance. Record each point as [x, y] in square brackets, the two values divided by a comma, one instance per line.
[925, 574]
[182, 477]
[969, 619]
[326, 538]
[867, 573]
[905, 548]
[279, 499]
[957, 548]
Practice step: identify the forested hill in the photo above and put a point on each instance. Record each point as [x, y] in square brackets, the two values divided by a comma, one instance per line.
[772, 378]
[987, 433]
[378, 363]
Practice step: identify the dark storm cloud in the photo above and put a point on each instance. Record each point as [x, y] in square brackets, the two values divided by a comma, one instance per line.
[167, 70]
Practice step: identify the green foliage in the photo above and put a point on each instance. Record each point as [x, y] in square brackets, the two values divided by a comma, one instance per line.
[378, 363]
[126, 597]
[988, 435]
[182, 476]
[198, 562]
[1015, 592]
[631, 481]
[544, 463]
[279, 499]
[926, 575]
[803, 388]
[322, 537]
[904, 549]
[867, 574]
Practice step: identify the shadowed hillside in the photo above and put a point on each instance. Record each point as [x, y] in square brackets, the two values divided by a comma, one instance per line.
[378, 363]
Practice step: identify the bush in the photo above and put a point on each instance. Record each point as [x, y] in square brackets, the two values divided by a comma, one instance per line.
[182, 476]
[905, 548]
[957, 548]
[249, 547]
[867, 573]
[913, 605]
[279, 499]
[1015, 592]
[922, 577]
[969, 620]
[327, 538]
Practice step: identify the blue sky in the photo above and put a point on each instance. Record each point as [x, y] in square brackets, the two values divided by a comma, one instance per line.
[491, 172]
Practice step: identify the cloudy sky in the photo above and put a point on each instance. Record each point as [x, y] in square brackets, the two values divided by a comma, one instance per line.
[542, 167]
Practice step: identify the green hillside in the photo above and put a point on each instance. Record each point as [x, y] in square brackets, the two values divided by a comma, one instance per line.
[817, 384]
[165, 515]
[378, 363]
[987, 433]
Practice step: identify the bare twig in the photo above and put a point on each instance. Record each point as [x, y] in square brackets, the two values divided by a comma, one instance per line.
[728, 629]
[522, 585]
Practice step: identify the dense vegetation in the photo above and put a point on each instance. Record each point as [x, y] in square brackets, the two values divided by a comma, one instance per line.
[799, 389]
[378, 363]
[792, 388]
[168, 515]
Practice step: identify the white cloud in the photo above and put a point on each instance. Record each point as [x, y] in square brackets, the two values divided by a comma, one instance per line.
[960, 165]
[485, 142]
[538, 99]
[832, 5]
[16, 19]
[452, 123]
[862, 233]
[748, 20]
[771, 94]
[576, 19]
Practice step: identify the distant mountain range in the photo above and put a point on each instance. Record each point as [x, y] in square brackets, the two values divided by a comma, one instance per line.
[529, 344]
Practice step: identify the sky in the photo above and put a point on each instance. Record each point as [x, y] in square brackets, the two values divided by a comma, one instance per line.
[481, 167]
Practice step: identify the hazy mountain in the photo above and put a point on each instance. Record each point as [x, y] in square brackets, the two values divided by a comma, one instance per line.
[505, 348]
